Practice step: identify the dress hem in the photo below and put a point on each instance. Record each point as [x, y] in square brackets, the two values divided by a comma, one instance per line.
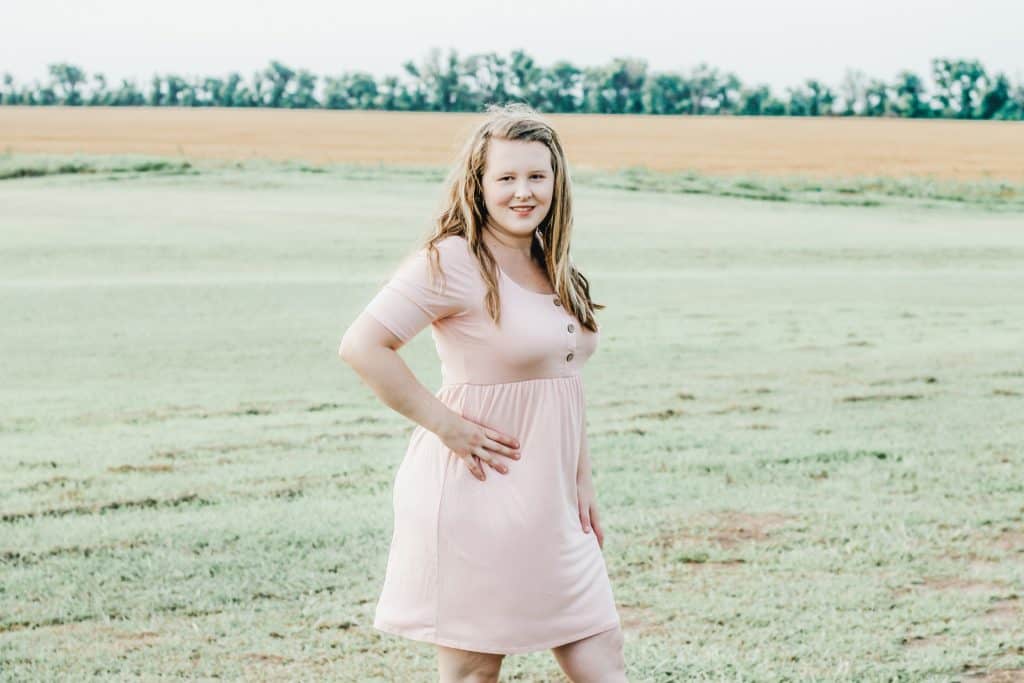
[488, 649]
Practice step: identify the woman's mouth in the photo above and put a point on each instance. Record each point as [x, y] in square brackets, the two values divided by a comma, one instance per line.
[524, 211]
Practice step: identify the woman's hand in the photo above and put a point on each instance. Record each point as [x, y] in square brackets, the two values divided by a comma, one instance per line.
[476, 444]
[588, 507]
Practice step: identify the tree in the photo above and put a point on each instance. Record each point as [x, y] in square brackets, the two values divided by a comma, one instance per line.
[353, 90]
[704, 81]
[877, 98]
[44, 95]
[227, 92]
[911, 100]
[623, 85]
[128, 95]
[525, 77]
[970, 76]
[176, 86]
[852, 91]
[775, 107]
[10, 95]
[726, 94]
[191, 92]
[617, 88]
[440, 87]
[391, 95]
[995, 97]
[98, 95]
[814, 98]
[958, 86]
[211, 90]
[563, 88]
[304, 95]
[156, 91]
[66, 79]
[1013, 110]
[665, 93]
[490, 78]
[754, 101]
[278, 76]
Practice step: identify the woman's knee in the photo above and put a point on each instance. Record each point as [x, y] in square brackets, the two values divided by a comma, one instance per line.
[595, 659]
[464, 666]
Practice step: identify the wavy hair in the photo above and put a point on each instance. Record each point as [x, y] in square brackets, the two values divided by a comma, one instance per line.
[463, 212]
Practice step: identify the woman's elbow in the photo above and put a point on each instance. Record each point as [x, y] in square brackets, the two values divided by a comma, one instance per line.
[349, 348]
[364, 337]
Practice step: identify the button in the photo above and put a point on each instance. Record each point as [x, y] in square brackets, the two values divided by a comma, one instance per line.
[569, 357]
[572, 328]
[558, 302]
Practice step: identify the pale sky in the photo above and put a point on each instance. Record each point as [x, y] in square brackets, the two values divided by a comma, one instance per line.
[780, 43]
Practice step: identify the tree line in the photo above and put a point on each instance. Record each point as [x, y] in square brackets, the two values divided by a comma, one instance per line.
[957, 88]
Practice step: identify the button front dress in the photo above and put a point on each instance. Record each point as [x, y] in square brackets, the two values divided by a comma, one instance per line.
[502, 565]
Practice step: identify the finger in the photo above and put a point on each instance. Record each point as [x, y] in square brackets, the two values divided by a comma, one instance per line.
[497, 447]
[596, 523]
[487, 457]
[598, 531]
[585, 518]
[509, 441]
[501, 468]
[473, 463]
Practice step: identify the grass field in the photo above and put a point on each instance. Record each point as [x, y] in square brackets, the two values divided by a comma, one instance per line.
[718, 146]
[805, 423]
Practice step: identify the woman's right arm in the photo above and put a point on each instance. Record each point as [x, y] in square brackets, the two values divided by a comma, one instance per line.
[371, 350]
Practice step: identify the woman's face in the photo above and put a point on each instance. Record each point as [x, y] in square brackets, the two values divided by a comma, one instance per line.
[517, 173]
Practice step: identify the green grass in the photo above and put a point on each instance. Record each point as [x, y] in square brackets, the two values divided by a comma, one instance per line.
[991, 195]
[804, 420]
[16, 166]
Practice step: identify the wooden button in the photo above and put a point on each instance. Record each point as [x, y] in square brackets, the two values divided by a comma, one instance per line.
[558, 302]
[572, 328]
[569, 357]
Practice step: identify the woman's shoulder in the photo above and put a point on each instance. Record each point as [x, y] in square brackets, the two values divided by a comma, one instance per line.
[457, 245]
[454, 259]
[453, 251]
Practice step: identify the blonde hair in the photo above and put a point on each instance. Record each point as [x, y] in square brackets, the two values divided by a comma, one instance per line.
[463, 212]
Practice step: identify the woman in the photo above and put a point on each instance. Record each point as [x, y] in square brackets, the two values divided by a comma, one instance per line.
[482, 566]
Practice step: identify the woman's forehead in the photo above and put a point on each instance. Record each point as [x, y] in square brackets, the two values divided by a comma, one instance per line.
[506, 156]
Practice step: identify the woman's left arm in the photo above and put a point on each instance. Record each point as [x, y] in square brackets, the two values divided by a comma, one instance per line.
[586, 493]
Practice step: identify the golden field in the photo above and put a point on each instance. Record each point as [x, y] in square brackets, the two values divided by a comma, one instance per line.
[813, 147]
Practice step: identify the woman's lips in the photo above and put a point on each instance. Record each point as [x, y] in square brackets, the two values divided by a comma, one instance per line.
[524, 212]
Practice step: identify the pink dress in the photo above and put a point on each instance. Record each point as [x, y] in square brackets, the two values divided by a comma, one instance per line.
[502, 565]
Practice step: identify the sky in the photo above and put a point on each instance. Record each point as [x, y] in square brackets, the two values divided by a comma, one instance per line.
[780, 43]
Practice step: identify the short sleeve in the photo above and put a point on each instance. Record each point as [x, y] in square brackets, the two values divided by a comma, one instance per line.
[411, 300]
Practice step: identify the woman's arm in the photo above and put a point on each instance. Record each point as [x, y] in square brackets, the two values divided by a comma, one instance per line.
[583, 471]
[372, 351]
[585, 491]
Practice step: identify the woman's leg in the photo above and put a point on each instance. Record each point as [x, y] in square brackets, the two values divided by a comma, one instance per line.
[595, 659]
[458, 666]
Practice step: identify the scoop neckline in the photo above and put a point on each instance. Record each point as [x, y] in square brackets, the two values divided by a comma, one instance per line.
[516, 284]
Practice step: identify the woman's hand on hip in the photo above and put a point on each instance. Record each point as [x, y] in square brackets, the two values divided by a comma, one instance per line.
[476, 444]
